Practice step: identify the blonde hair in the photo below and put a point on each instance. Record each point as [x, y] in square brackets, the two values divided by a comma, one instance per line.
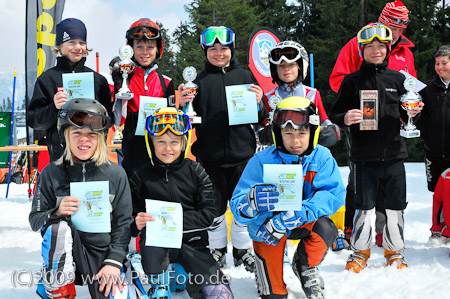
[100, 155]
[56, 50]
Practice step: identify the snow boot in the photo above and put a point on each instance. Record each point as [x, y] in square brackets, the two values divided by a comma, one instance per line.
[219, 254]
[357, 260]
[159, 286]
[437, 239]
[312, 283]
[395, 258]
[244, 257]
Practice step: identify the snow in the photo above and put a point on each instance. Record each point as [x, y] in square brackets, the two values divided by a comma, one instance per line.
[426, 277]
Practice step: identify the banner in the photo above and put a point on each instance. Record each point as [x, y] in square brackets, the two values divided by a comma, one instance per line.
[5, 132]
[261, 41]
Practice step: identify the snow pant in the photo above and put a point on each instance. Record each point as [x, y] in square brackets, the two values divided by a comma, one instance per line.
[315, 240]
[369, 175]
[65, 256]
[194, 256]
[224, 180]
[434, 166]
[441, 205]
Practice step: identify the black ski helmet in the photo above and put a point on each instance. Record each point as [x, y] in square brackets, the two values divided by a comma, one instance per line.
[301, 58]
[82, 112]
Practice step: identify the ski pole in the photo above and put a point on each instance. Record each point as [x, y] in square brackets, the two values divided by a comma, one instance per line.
[311, 69]
[12, 131]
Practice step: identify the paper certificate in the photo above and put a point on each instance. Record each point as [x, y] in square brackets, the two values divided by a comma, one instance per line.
[167, 229]
[369, 107]
[147, 106]
[289, 180]
[79, 85]
[242, 105]
[94, 213]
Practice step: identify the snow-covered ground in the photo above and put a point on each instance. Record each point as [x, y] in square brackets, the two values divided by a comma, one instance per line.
[427, 276]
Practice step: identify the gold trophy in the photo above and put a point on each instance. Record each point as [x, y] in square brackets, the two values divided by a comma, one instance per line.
[126, 66]
[189, 74]
[410, 100]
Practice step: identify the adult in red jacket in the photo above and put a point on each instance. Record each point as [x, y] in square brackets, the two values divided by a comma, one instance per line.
[395, 16]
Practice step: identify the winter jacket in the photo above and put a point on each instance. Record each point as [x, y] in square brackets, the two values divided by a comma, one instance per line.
[323, 189]
[54, 184]
[42, 113]
[217, 142]
[384, 143]
[441, 206]
[183, 181]
[142, 82]
[349, 60]
[434, 122]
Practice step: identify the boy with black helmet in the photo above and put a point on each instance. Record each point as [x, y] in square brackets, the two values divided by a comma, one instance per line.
[295, 127]
[171, 177]
[48, 97]
[72, 255]
[223, 150]
[145, 37]
[378, 155]
[289, 63]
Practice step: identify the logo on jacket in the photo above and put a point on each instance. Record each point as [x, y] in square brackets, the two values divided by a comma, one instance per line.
[400, 58]
[391, 89]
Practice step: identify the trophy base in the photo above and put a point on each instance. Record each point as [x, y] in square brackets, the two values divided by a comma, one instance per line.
[410, 133]
[124, 95]
[117, 141]
[195, 119]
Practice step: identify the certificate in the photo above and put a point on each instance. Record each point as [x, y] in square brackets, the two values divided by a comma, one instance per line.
[79, 85]
[147, 106]
[94, 213]
[167, 229]
[289, 180]
[369, 107]
[242, 105]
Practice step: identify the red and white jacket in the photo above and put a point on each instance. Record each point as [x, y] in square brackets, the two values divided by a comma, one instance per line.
[441, 205]
[349, 61]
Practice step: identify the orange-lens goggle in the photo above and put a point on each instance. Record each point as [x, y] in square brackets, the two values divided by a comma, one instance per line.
[141, 32]
[296, 118]
[95, 122]
[177, 123]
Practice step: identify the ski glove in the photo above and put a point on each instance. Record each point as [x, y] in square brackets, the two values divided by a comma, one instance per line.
[272, 230]
[260, 198]
[291, 219]
[341, 242]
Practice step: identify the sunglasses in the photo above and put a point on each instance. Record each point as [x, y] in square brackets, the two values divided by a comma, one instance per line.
[400, 21]
[177, 123]
[223, 34]
[95, 122]
[141, 32]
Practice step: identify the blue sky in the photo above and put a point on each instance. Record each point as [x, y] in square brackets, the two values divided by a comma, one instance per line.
[106, 23]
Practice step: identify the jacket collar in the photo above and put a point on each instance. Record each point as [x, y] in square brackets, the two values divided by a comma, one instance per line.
[370, 67]
[215, 69]
[64, 63]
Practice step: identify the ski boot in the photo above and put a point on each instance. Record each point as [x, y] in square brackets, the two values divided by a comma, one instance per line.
[357, 260]
[312, 283]
[340, 242]
[178, 278]
[395, 258]
[159, 286]
[437, 239]
[245, 257]
[65, 292]
[219, 254]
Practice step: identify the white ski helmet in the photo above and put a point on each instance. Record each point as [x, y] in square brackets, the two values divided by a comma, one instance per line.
[289, 51]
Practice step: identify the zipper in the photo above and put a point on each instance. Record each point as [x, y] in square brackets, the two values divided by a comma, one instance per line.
[167, 175]
[84, 172]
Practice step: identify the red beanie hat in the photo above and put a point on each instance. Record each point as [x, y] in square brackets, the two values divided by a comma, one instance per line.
[395, 14]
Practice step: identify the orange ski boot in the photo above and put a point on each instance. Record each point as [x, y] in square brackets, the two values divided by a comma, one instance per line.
[395, 258]
[357, 260]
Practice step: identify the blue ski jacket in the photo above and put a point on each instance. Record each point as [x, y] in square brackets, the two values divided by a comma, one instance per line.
[323, 189]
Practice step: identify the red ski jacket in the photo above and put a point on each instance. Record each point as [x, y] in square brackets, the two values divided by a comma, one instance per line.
[349, 61]
[441, 205]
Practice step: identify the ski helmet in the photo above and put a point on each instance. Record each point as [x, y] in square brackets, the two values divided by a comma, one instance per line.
[298, 112]
[289, 51]
[145, 28]
[82, 112]
[167, 119]
[374, 31]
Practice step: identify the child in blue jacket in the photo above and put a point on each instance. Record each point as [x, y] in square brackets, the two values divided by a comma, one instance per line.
[296, 127]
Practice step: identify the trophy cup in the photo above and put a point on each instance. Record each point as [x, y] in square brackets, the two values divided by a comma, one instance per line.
[410, 100]
[126, 66]
[189, 74]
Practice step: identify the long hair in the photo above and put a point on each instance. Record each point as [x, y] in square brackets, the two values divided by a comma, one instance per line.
[100, 155]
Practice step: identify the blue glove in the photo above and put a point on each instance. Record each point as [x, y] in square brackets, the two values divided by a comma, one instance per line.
[341, 242]
[272, 230]
[260, 198]
[291, 219]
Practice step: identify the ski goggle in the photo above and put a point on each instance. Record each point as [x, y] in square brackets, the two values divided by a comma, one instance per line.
[400, 21]
[158, 124]
[141, 32]
[223, 34]
[288, 54]
[95, 122]
[367, 34]
[296, 118]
